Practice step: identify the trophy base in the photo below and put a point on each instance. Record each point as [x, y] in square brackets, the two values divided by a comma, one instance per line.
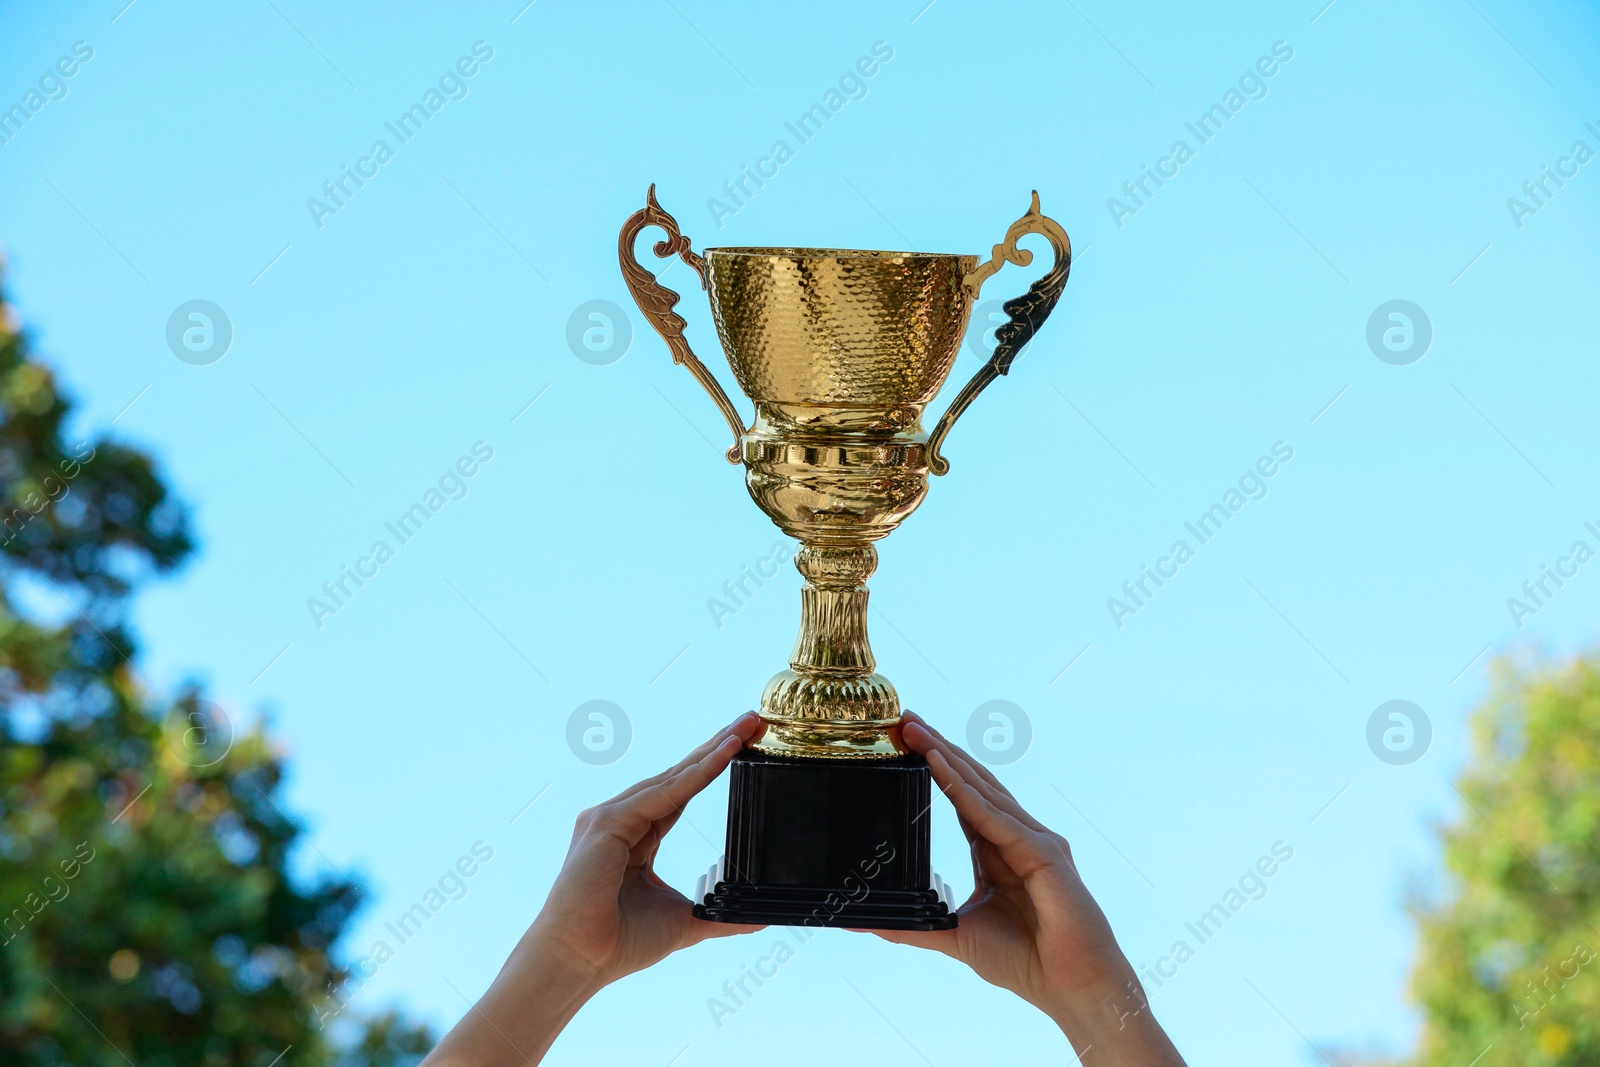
[821, 842]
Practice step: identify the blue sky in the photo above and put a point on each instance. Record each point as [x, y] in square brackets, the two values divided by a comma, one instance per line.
[1227, 312]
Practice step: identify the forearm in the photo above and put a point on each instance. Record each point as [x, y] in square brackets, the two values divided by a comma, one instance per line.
[519, 1017]
[1113, 1019]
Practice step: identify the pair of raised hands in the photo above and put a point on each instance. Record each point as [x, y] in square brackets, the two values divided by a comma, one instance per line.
[1030, 925]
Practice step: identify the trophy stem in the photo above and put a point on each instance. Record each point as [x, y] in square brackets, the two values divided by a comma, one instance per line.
[833, 610]
[831, 702]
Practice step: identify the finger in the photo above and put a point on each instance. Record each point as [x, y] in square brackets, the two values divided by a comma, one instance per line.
[663, 799]
[704, 929]
[699, 930]
[937, 940]
[630, 820]
[1017, 843]
[974, 773]
[920, 737]
[744, 727]
[644, 853]
[983, 851]
[633, 824]
[951, 748]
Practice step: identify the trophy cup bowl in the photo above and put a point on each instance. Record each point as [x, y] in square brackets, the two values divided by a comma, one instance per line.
[840, 351]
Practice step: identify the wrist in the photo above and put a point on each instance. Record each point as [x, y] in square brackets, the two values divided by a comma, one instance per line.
[529, 1003]
[1112, 1014]
[1108, 1005]
[544, 959]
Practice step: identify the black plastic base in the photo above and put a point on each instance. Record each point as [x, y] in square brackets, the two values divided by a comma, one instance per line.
[816, 842]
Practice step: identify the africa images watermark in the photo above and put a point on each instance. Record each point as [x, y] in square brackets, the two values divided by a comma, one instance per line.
[451, 885]
[599, 732]
[738, 991]
[765, 569]
[999, 732]
[452, 85]
[1537, 592]
[852, 85]
[1252, 485]
[452, 485]
[52, 86]
[34, 503]
[1542, 995]
[1251, 885]
[1252, 85]
[1399, 732]
[1579, 154]
[55, 891]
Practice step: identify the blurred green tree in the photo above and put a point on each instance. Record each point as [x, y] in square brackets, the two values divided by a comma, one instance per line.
[1509, 964]
[147, 913]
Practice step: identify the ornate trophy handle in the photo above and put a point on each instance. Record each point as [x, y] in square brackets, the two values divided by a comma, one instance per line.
[656, 300]
[1027, 313]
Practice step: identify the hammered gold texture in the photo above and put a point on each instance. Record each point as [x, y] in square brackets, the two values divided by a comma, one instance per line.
[813, 326]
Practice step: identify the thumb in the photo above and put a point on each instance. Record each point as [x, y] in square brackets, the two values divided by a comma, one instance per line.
[703, 929]
[937, 940]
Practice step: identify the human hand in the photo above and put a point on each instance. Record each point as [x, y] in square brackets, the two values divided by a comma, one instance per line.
[607, 915]
[1030, 925]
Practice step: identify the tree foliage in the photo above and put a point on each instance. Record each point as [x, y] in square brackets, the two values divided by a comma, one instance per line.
[147, 912]
[1509, 967]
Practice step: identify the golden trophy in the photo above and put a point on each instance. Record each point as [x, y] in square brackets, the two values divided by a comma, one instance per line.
[840, 351]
